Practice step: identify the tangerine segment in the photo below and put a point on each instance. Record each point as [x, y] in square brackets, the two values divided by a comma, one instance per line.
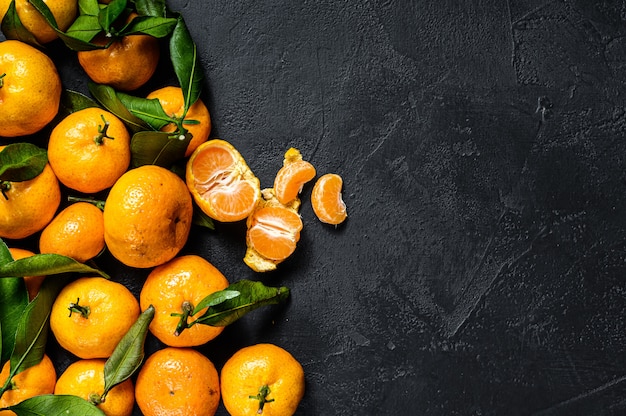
[221, 182]
[273, 232]
[326, 199]
[292, 176]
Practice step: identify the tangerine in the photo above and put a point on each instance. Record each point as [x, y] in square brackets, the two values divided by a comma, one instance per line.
[91, 315]
[34, 381]
[292, 176]
[126, 64]
[221, 182]
[197, 120]
[147, 216]
[89, 150]
[33, 283]
[175, 287]
[262, 379]
[30, 89]
[77, 231]
[326, 199]
[64, 12]
[177, 382]
[85, 378]
[27, 207]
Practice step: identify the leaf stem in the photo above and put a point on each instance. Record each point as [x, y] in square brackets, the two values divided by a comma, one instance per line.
[97, 202]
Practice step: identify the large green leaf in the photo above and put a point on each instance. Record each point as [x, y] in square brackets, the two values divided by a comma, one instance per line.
[154, 8]
[22, 162]
[45, 264]
[108, 98]
[12, 27]
[109, 14]
[157, 148]
[159, 27]
[184, 57]
[148, 110]
[51, 404]
[13, 301]
[84, 28]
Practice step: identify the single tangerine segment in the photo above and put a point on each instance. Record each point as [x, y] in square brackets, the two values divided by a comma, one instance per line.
[221, 182]
[292, 176]
[326, 199]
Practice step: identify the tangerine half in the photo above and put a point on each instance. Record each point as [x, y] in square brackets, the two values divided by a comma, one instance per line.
[221, 182]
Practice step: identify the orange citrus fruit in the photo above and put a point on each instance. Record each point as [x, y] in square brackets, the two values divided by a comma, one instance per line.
[34, 381]
[91, 315]
[89, 150]
[326, 199]
[197, 121]
[64, 12]
[77, 231]
[147, 216]
[292, 176]
[177, 382]
[273, 229]
[33, 283]
[85, 378]
[262, 379]
[174, 287]
[30, 89]
[126, 64]
[27, 207]
[221, 182]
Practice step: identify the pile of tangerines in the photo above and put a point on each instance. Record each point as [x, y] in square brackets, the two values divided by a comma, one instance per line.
[131, 175]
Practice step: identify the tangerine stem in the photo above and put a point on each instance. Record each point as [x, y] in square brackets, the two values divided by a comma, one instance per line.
[182, 323]
[264, 391]
[2, 79]
[4, 187]
[83, 310]
[97, 202]
[102, 130]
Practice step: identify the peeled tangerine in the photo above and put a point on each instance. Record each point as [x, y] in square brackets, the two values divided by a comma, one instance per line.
[273, 231]
[221, 182]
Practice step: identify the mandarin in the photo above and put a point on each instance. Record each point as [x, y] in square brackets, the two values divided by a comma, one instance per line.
[91, 315]
[30, 89]
[177, 382]
[34, 381]
[33, 283]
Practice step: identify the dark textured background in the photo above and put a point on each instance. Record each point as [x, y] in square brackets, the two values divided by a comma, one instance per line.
[482, 267]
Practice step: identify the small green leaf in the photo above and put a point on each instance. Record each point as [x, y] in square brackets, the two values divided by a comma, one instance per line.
[184, 57]
[72, 101]
[13, 301]
[51, 404]
[12, 27]
[154, 8]
[214, 299]
[84, 28]
[44, 265]
[129, 352]
[201, 219]
[88, 7]
[157, 148]
[252, 295]
[22, 162]
[110, 13]
[109, 99]
[148, 110]
[159, 27]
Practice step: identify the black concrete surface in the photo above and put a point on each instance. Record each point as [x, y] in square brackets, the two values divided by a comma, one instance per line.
[482, 143]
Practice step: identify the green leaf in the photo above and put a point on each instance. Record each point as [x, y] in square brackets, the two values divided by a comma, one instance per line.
[32, 330]
[154, 8]
[184, 57]
[84, 28]
[51, 404]
[108, 98]
[201, 219]
[109, 14]
[44, 265]
[12, 27]
[252, 295]
[159, 27]
[215, 299]
[157, 148]
[22, 162]
[13, 301]
[148, 110]
[129, 352]
[72, 101]
[88, 7]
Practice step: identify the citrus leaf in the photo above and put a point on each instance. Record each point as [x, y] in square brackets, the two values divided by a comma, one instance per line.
[45, 264]
[51, 404]
[108, 98]
[157, 148]
[252, 295]
[22, 162]
[72, 101]
[148, 110]
[109, 14]
[88, 8]
[215, 299]
[129, 352]
[12, 27]
[201, 219]
[154, 8]
[84, 28]
[32, 329]
[184, 57]
[159, 27]
[13, 301]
